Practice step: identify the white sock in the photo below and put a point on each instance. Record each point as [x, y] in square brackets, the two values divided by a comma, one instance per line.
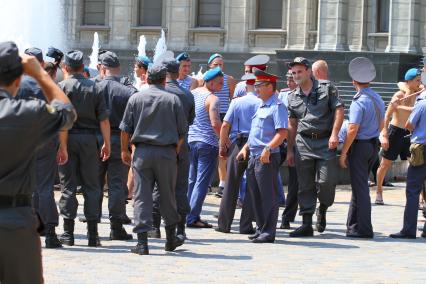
[222, 183]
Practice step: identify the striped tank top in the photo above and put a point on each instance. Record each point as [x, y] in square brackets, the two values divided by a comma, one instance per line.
[223, 95]
[201, 130]
[185, 83]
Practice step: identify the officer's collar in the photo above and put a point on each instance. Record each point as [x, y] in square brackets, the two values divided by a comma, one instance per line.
[362, 91]
[315, 87]
[161, 87]
[270, 101]
[5, 94]
[77, 76]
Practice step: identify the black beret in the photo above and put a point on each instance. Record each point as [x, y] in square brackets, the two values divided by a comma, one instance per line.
[9, 57]
[36, 52]
[74, 58]
[156, 72]
[109, 59]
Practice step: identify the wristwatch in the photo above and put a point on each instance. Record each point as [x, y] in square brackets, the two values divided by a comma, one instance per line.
[267, 148]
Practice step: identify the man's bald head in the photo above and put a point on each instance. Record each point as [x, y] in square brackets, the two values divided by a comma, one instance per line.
[320, 70]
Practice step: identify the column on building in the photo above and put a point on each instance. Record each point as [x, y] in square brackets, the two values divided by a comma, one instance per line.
[404, 28]
[235, 25]
[357, 25]
[297, 24]
[332, 25]
[120, 19]
[177, 23]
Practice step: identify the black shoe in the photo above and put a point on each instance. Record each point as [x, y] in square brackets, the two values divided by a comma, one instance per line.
[218, 229]
[180, 228]
[254, 236]
[285, 225]
[126, 220]
[219, 192]
[423, 235]
[401, 236]
[118, 232]
[141, 247]
[358, 235]
[51, 240]
[154, 234]
[303, 231]
[263, 239]
[92, 234]
[172, 241]
[321, 221]
[67, 238]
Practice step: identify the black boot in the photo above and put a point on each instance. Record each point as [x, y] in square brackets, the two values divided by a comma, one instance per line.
[92, 234]
[118, 232]
[172, 241]
[285, 224]
[180, 232]
[321, 221]
[306, 229]
[156, 222]
[51, 240]
[141, 247]
[67, 238]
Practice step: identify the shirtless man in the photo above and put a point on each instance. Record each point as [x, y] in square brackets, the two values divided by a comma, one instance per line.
[394, 137]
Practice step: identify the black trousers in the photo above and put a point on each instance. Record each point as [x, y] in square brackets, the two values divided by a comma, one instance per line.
[263, 188]
[234, 173]
[43, 197]
[114, 172]
[20, 256]
[83, 161]
[361, 154]
[291, 201]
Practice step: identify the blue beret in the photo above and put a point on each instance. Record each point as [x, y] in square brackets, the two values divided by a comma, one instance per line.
[411, 74]
[213, 57]
[109, 59]
[144, 60]
[9, 57]
[74, 58]
[212, 73]
[183, 56]
[36, 52]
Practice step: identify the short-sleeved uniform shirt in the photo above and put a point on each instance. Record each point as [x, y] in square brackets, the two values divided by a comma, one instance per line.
[315, 114]
[154, 116]
[269, 117]
[417, 118]
[88, 101]
[186, 98]
[24, 126]
[367, 110]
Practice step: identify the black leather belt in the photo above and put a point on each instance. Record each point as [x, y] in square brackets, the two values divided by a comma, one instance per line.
[15, 201]
[315, 135]
[372, 140]
[82, 131]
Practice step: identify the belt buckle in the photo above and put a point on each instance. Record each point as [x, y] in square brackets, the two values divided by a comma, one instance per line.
[314, 135]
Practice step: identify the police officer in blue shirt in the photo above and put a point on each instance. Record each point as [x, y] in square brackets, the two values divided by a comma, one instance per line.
[43, 198]
[25, 125]
[268, 131]
[416, 174]
[366, 116]
[233, 136]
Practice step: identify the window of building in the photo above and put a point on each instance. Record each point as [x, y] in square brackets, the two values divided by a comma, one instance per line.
[383, 10]
[94, 12]
[209, 13]
[150, 12]
[269, 14]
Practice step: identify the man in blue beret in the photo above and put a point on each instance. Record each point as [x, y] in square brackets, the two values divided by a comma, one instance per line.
[46, 164]
[268, 131]
[82, 147]
[185, 80]
[366, 116]
[25, 125]
[394, 137]
[203, 143]
[141, 69]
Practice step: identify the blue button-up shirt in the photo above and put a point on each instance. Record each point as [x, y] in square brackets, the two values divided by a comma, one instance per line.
[367, 110]
[269, 117]
[283, 96]
[421, 97]
[417, 119]
[240, 114]
[343, 131]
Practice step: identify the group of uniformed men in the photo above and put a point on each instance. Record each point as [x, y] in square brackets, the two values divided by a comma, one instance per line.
[171, 133]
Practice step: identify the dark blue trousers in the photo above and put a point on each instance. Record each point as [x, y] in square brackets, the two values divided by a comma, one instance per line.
[415, 179]
[361, 154]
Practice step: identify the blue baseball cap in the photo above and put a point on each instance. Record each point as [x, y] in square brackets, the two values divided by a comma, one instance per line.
[212, 73]
[411, 74]
[213, 57]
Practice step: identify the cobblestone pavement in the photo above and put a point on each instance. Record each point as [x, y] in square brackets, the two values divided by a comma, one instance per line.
[209, 256]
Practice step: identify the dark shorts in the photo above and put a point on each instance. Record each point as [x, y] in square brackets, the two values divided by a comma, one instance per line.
[399, 144]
